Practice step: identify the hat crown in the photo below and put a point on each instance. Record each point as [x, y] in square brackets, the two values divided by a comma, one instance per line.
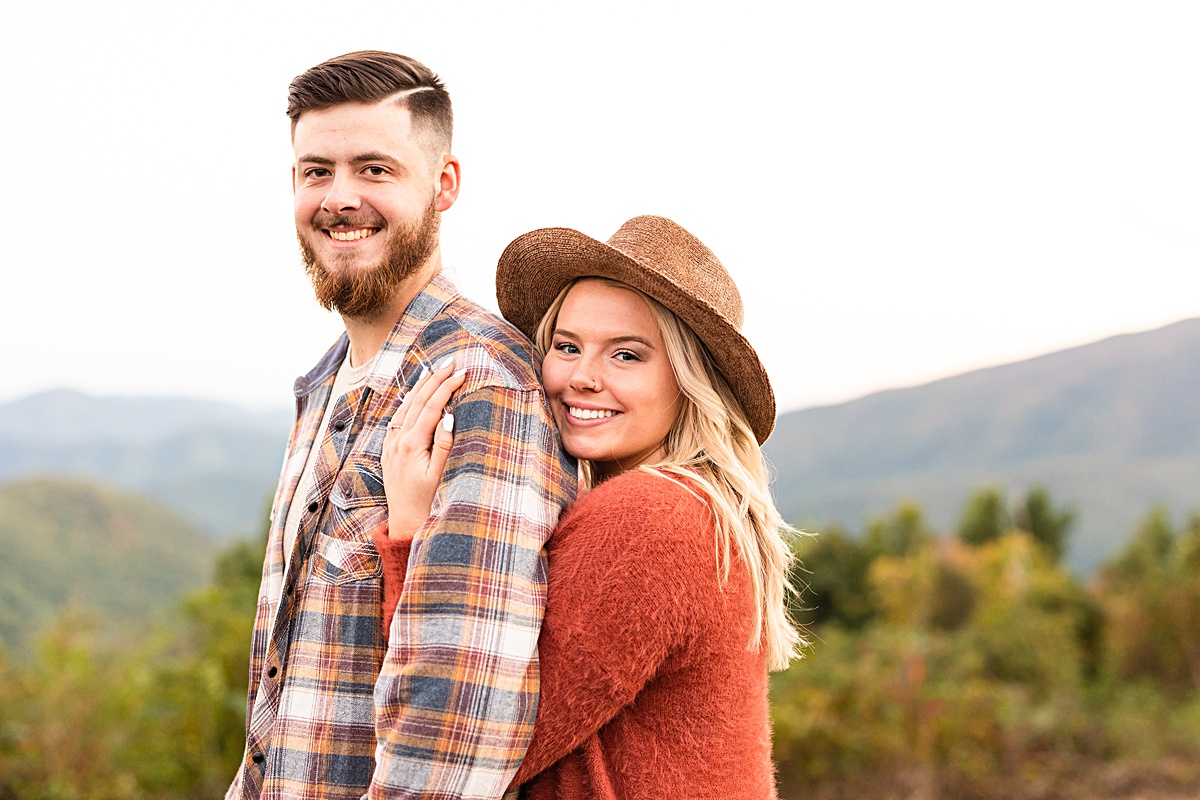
[662, 246]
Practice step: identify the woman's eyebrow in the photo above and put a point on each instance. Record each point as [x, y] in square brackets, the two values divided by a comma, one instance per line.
[612, 340]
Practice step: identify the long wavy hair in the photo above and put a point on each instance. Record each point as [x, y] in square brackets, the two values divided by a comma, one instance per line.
[711, 445]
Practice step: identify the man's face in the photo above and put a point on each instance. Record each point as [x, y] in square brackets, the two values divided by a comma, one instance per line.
[367, 203]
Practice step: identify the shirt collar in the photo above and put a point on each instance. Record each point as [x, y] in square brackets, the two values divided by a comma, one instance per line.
[428, 303]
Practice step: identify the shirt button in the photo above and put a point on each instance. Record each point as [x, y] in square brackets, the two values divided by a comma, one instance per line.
[272, 672]
[339, 426]
[258, 758]
[313, 507]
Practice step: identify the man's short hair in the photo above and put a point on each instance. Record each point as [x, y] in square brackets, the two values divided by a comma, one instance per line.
[370, 76]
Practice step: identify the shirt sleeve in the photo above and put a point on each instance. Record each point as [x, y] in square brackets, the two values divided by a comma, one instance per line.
[631, 572]
[457, 693]
[393, 557]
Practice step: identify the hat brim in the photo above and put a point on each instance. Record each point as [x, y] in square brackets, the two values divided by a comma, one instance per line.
[536, 266]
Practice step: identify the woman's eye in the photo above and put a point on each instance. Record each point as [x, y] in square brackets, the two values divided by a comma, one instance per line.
[566, 347]
[625, 355]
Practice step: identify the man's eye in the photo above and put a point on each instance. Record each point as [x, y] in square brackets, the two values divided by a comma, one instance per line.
[376, 171]
[316, 172]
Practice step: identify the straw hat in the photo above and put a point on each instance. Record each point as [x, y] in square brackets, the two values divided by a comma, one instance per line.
[663, 260]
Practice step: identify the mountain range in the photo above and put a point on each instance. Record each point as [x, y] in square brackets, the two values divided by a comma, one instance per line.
[214, 464]
[1110, 428]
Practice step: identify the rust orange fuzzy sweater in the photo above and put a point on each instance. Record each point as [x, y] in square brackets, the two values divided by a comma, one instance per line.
[648, 690]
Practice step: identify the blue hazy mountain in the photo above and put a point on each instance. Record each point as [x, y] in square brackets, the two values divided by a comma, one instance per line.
[213, 464]
[1111, 428]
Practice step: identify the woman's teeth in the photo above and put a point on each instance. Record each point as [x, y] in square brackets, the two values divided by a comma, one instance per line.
[588, 413]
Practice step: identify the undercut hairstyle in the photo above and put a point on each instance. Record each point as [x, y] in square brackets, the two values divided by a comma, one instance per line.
[712, 446]
[371, 76]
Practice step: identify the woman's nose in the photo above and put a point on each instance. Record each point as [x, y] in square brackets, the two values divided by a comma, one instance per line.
[583, 378]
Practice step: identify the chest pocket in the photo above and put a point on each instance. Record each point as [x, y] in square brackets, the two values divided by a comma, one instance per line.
[344, 552]
[338, 561]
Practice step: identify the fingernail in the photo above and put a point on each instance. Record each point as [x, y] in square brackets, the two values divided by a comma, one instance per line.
[445, 362]
[421, 375]
[458, 372]
[448, 422]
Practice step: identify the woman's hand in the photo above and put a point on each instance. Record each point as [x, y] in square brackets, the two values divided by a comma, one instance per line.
[415, 450]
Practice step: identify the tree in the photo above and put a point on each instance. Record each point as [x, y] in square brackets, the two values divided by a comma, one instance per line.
[831, 581]
[1049, 527]
[1154, 591]
[900, 534]
[985, 517]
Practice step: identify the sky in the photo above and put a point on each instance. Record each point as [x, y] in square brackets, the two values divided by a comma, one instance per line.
[903, 191]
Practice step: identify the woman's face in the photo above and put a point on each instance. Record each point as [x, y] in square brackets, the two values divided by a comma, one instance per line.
[608, 379]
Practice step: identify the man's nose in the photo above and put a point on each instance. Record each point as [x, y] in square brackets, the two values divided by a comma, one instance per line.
[342, 196]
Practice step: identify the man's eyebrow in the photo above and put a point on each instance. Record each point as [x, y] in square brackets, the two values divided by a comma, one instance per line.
[361, 158]
[373, 155]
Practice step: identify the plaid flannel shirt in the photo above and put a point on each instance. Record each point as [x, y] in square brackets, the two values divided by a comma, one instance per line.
[447, 710]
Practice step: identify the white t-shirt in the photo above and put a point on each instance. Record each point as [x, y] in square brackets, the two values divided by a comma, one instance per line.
[348, 378]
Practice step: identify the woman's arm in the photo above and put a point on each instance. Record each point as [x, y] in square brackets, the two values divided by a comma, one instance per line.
[414, 456]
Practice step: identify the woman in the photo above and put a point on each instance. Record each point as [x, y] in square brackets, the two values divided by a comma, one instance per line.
[667, 578]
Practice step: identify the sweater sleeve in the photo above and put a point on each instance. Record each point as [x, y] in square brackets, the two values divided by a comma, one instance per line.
[393, 554]
[630, 568]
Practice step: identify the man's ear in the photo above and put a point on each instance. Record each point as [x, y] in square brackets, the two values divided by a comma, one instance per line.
[293, 179]
[448, 182]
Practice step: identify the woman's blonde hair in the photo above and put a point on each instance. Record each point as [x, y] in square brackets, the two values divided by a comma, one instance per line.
[711, 445]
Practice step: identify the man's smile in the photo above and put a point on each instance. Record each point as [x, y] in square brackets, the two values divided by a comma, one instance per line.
[352, 235]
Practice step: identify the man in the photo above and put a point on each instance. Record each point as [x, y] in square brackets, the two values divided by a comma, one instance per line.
[447, 709]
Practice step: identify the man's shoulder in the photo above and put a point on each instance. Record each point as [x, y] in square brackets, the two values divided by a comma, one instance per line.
[488, 346]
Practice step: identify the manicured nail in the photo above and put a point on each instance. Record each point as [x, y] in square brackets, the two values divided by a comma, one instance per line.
[458, 372]
[448, 422]
[445, 362]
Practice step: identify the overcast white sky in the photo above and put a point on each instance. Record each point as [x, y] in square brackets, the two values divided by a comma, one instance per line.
[903, 190]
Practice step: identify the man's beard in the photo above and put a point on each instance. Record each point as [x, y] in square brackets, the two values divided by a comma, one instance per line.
[366, 292]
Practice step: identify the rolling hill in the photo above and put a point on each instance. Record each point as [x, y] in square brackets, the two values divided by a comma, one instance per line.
[114, 556]
[1111, 428]
[213, 464]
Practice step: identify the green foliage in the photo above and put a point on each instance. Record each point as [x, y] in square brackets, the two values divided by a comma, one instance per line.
[830, 580]
[1153, 591]
[979, 667]
[984, 518]
[901, 534]
[1049, 527]
[84, 719]
[71, 544]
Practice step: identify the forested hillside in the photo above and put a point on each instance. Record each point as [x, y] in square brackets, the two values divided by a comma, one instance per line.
[213, 464]
[103, 553]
